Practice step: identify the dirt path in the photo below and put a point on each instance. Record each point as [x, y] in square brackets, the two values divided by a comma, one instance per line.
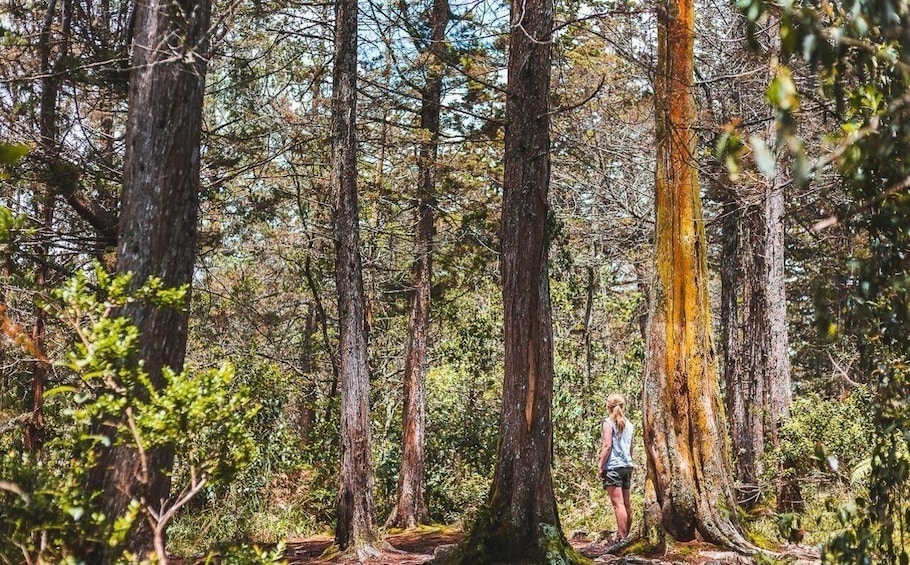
[416, 548]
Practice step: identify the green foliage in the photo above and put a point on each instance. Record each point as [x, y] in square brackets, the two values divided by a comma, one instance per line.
[862, 52]
[245, 555]
[265, 502]
[463, 395]
[830, 433]
[10, 154]
[201, 414]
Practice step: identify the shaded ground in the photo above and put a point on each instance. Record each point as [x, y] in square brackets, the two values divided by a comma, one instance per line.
[406, 548]
[417, 547]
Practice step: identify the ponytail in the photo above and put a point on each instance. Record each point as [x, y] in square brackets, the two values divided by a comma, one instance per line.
[615, 404]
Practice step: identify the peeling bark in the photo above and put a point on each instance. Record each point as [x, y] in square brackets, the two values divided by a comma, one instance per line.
[688, 490]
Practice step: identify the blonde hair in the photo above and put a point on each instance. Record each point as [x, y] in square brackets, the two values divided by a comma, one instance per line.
[615, 403]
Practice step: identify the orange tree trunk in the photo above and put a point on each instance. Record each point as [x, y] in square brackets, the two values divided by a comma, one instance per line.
[688, 489]
[519, 523]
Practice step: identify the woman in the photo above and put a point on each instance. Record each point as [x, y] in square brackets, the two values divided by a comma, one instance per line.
[615, 466]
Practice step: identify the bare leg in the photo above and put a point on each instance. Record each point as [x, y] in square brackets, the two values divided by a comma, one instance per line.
[619, 508]
[626, 501]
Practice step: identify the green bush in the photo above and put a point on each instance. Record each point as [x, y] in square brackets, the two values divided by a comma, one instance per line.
[201, 414]
[826, 434]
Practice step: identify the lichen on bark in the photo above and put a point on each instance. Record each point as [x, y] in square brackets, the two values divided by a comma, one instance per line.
[688, 490]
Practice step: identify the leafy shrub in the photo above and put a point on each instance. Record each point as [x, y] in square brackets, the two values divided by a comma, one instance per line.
[833, 432]
[202, 415]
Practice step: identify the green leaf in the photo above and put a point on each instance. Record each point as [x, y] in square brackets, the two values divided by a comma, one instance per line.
[801, 168]
[59, 390]
[12, 152]
[782, 91]
[861, 471]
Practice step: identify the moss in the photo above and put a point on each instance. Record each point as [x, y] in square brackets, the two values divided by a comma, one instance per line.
[556, 550]
[486, 543]
[761, 541]
[640, 546]
[767, 559]
[686, 551]
[330, 553]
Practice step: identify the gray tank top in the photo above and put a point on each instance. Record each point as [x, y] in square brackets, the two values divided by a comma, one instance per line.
[621, 453]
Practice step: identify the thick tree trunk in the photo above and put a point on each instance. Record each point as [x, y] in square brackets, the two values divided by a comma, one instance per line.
[731, 289]
[355, 529]
[688, 492]
[157, 232]
[520, 521]
[779, 384]
[410, 510]
[746, 335]
[756, 367]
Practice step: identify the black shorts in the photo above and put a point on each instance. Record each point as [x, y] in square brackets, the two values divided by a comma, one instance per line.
[619, 477]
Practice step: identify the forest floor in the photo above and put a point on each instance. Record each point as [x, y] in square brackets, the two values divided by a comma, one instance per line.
[418, 547]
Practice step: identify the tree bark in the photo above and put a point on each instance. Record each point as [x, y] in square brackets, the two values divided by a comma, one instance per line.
[157, 231]
[688, 492]
[410, 510]
[779, 383]
[355, 529]
[589, 355]
[520, 522]
[746, 333]
[753, 318]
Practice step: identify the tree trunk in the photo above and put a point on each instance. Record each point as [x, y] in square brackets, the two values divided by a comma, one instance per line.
[688, 493]
[779, 384]
[756, 363]
[520, 522]
[306, 416]
[44, 209]
[410, 510]
[355, 529]
[730, 290]
[157, 231]
[746, 333]
[589, 355]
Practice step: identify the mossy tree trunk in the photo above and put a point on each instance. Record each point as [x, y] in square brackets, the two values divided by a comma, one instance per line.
[355, 529]
[688, 491]
[410, 509]
[520, 522]
[157, 231]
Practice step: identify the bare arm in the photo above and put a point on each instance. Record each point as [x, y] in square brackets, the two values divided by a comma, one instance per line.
[606, 445]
